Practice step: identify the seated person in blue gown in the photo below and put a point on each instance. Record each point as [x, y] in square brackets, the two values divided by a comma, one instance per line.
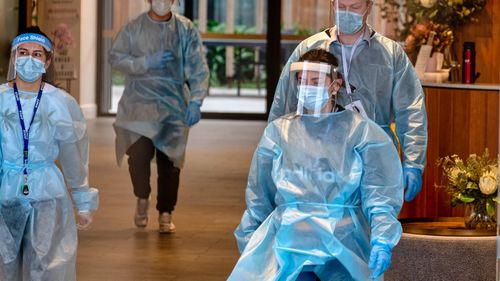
[324, 188]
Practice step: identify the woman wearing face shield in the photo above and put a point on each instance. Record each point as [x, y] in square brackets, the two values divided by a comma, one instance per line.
[39, 124]
[324, 188]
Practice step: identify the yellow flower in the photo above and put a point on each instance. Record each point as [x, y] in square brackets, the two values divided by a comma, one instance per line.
[488, 183]
[453, 174]
[428, 3]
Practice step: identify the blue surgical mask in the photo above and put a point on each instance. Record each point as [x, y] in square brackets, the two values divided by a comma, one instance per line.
[29, 68]
[313, 97]
[349, 22]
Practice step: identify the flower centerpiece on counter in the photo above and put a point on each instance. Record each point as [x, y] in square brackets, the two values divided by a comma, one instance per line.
[419, 34]
[473, 183]
[454, 13]
[416, 18]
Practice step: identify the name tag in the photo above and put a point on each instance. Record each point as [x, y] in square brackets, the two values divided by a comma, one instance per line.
[356, 106]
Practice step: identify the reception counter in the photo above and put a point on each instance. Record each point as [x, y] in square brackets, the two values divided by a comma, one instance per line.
[427, 257]
[462, 119]
[460, 86]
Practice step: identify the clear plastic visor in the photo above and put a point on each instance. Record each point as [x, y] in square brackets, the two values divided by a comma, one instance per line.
[310, 88]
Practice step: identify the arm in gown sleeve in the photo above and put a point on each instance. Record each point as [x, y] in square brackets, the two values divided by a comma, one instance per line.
[74, 157]
[195, 66]
[261, 190]
[381, 185]
[120, 55]
[410, 113]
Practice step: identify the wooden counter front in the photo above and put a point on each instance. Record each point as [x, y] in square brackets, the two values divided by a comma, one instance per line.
[462, 119]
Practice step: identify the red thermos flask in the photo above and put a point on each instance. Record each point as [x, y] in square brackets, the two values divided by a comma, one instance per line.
[469, 63]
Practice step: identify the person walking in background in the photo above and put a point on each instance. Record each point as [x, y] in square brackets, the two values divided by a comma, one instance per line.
[40, 124]
[162, 55]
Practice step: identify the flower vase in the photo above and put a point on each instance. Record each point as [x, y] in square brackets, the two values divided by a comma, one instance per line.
[476, 217]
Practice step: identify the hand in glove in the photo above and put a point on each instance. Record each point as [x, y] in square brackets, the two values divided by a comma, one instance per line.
[193, 114]
[158, 60]
[412, 182]
[84, 219]
[380, 259]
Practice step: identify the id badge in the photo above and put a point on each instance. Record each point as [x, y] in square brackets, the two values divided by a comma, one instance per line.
[356, 106]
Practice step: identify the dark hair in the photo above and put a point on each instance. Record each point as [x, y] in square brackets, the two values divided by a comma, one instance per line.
[32, 29]
[319, 55]
[49, 76]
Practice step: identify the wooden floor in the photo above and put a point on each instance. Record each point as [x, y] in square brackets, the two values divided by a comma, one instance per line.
[211, 202]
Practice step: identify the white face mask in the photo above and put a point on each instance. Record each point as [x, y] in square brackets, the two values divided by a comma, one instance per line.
[313, 97]
[161, 7]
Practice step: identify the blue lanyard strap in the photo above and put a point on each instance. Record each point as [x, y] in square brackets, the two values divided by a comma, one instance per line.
[26, 132]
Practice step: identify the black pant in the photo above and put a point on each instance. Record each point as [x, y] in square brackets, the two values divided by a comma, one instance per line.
[139, 162]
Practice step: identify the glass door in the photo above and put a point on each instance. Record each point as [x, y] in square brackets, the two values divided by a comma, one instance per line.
[114, 14]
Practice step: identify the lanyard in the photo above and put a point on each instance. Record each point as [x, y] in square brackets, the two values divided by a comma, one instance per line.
[347, 64]
[26, 132]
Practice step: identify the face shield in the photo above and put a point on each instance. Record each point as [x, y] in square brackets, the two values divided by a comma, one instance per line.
[311, 88]
[30, 64]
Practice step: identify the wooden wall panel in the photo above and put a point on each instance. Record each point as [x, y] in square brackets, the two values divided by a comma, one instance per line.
[486, 35]
[460, 122]
[313, 15]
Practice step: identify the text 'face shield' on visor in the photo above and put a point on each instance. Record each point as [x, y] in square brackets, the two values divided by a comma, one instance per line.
[309, 89]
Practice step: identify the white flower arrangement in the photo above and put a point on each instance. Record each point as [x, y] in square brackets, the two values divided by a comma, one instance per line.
[474, 181]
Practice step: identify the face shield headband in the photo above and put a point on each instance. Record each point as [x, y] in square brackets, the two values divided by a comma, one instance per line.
[313, 97]
[34, 38]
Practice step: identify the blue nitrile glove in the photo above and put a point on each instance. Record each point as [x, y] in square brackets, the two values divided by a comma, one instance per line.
[158, 60]
[412, 182]
[380, 259]
[193, 114]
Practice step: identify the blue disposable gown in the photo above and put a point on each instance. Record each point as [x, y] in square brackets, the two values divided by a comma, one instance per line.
[320, 192]
[154, 101]
[386, 85]
[38, 231]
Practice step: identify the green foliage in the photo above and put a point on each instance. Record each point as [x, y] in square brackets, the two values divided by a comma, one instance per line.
[302, 31]
[452, 13]
[118, 78]
[244, 57]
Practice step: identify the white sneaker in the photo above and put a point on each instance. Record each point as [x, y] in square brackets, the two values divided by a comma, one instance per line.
[166, 224]
[141, 212]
